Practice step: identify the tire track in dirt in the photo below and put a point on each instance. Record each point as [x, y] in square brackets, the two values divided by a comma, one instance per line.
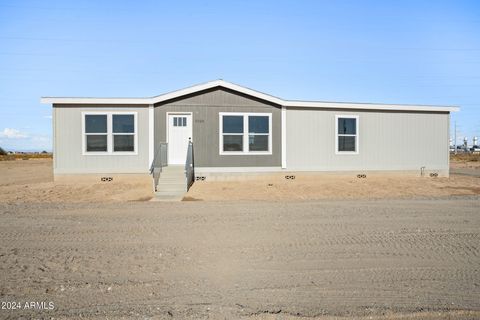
[307, 258]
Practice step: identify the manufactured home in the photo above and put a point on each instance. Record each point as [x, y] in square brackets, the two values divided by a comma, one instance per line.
[222, 129]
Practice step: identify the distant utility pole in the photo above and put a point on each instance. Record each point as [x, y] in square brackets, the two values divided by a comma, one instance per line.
[455, 138]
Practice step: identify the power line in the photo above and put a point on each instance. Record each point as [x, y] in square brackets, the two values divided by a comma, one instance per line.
[74, 40]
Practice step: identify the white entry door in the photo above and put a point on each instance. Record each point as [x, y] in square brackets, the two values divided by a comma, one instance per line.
[179, 131]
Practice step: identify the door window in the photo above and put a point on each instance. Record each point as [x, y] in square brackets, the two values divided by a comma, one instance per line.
[179, 121]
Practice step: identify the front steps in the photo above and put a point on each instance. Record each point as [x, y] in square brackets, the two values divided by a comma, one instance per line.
[172, 184]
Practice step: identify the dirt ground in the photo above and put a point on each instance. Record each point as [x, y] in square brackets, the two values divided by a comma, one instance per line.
[465, 164]
[384, 259]
[96, 253]
[464, 180]
[32, 181]
[326, 187]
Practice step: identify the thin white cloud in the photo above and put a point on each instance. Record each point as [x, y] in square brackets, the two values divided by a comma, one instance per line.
[13, 139]
[10, 133]
[47, 117]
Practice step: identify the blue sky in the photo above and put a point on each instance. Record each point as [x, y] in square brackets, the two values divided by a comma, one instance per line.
[425, 52]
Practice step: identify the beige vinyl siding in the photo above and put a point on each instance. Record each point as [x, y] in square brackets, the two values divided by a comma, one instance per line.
[68, 157]
[387, 141]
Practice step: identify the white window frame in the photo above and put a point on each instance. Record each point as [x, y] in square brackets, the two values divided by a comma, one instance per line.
[245, 133]
[110, 134]
[357, 135]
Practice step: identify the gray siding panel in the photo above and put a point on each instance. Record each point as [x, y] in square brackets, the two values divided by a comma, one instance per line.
[205, 108]
[68, 158]
[387, 141]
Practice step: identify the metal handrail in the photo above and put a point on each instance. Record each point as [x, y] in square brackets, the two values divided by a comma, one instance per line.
[189, 165]
[160, 160]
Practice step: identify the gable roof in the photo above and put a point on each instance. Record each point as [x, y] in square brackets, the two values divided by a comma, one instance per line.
[250, 92]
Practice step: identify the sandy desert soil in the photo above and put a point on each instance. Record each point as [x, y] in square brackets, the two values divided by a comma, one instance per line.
[384, 259]
[465, 168]
[465, 180]
[311, 187]
[471, 159]
[465, 164]
[32, 181]
[95, 256]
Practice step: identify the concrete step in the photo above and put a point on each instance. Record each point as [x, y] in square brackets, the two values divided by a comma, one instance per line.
[172, 177]
[170, 193]
[176, 189]
[160, 197]
[168, 182]
[181, 181]
[173, 169]
[168, 169]
[175, 184]
[171, 185]
[172, 174]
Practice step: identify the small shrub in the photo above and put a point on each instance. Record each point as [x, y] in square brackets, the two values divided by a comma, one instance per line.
[2, 152]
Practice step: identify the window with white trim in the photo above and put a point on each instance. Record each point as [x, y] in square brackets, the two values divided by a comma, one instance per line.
[346, 128]
[245, 133]
[109, 133]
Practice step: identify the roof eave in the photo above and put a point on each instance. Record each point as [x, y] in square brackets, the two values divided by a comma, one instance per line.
[369, 106]
[72, 100]
[247, 91]
[166, 96]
